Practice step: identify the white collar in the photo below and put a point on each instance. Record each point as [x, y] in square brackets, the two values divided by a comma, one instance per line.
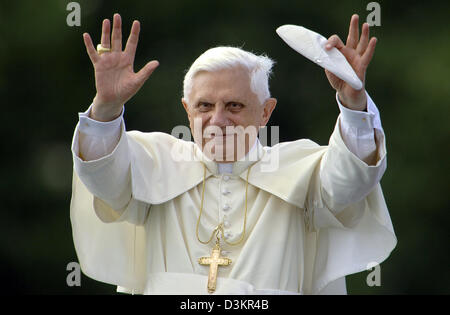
[228, 167]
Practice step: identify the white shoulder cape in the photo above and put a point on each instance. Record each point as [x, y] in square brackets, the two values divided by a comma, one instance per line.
[338, 244]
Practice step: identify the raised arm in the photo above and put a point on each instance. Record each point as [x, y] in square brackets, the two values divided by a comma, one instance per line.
[355, 161]
[100, 146]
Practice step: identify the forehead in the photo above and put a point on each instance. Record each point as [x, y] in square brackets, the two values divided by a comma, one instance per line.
[225, 84]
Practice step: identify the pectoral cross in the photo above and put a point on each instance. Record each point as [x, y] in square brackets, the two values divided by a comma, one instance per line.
[214, 262]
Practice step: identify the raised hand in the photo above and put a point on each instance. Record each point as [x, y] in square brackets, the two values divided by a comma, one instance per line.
[359, 53]
[115, 79]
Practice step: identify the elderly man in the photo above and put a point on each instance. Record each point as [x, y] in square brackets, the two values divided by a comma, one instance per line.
[150, 222]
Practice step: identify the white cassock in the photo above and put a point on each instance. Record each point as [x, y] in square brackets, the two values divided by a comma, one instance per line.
[317, 217]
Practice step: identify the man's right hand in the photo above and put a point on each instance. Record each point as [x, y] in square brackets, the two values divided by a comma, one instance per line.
[115, 79]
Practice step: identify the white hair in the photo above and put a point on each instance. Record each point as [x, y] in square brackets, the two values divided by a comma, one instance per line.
[218, 58]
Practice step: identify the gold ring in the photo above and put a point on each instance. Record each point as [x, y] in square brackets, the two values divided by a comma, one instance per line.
[101, 49]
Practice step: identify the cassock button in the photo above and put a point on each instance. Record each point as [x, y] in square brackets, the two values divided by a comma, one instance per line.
[226, 224]
[226, 178]
[228, 234]
[225, 192]
[226, 207]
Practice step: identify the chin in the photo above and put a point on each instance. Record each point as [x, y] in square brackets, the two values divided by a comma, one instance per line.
[219, 152]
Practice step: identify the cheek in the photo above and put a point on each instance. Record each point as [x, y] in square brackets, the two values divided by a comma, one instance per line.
[249, 118]
[197, 124]
[257, 116]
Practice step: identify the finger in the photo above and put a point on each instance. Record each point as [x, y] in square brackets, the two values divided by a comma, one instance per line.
[90, 48]
[331, 76]
[368, 54]
[146, 71]
[336, 83]
[334, 41]
[133, 39]
[106, 32]
[116, 37]
[364, 40]
[353, 32]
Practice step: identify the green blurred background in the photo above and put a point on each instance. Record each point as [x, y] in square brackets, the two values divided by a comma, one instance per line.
[46, 78]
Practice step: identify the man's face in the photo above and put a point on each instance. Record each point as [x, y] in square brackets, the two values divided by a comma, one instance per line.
[224, 113]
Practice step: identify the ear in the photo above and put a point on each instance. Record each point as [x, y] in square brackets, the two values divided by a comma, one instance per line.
[186, 107]
[269, 106]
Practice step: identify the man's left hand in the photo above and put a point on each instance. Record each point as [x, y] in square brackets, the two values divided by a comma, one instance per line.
[358, 54]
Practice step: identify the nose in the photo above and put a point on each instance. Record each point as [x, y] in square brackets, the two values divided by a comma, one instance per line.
[219, 117]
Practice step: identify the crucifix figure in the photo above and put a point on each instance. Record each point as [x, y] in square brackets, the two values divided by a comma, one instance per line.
[214, 262]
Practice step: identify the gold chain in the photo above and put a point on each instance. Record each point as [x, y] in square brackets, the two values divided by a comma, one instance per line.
[219, 228]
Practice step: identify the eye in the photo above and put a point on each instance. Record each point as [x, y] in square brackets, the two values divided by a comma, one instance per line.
[234, 106]
[203, 106]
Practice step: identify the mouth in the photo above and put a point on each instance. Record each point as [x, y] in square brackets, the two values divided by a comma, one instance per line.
[218, 136]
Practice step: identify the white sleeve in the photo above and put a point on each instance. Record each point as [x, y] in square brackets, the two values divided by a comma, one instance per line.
[101, 159]
[358, 130]
[97, 139]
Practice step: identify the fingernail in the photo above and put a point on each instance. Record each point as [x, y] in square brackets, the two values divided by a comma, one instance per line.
[327, 46]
